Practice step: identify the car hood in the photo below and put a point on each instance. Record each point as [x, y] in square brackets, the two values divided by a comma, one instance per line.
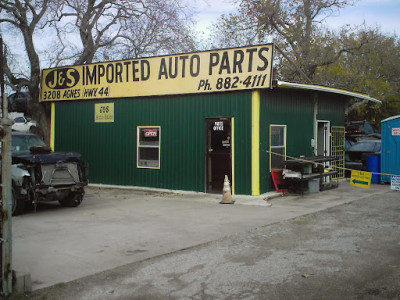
[47, 158]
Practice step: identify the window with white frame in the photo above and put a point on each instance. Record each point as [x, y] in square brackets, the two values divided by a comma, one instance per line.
[148, 143]
[277, 146]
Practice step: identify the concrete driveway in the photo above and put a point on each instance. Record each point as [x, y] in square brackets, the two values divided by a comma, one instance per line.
[115, 227]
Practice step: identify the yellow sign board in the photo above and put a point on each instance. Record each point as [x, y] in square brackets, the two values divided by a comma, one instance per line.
[361, 179]
[200, 72]
[104, 112]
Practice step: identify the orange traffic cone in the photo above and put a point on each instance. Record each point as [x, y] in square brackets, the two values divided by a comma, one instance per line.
[226, 192]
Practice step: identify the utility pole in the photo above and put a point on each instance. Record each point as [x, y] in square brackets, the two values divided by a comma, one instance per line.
[6, 189]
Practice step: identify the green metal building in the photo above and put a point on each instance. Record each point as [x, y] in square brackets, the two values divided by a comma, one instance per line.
[190, 141]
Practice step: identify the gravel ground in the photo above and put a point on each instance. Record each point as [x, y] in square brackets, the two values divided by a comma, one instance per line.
[351, 251]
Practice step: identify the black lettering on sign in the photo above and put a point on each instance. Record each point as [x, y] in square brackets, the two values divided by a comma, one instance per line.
[127, 64]
[110, 73]
[101, 71]
[225, 64]
[118, 72]
[163, 69]
[251, 52]
[68, 94]
[183, 58]
[90, 93]
[135, 70]
[195, 65]
[144, 69]
[214, 61]
[62, 78]
[52, 95]
[93, 76]
[238, 57]
[263, 58]
[104, 109]
[173, 67]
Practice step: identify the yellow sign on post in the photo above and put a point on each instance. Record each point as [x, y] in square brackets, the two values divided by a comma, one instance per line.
[361, 179]
[104, 112]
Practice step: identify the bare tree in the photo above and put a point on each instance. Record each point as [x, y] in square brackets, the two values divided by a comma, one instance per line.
[116, 29]
[84, 31]
[26, 16]
[296, 28]
[234, 30]
[162, 30]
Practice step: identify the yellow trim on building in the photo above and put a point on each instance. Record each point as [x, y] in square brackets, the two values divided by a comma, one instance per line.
[255, 143]
[233, 154]
[52, 125]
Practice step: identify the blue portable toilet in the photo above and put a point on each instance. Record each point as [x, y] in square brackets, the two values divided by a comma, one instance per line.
[390, 151]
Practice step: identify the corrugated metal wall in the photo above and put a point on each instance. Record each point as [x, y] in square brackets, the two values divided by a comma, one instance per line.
[110, 148]
[293, 109]
[331, 108]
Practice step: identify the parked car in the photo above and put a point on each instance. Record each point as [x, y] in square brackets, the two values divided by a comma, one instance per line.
[349, 141]
[356, 155]
[24, 124]
[361, 129]
[39, 174]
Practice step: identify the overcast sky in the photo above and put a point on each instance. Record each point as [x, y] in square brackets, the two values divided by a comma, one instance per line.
[384, 13]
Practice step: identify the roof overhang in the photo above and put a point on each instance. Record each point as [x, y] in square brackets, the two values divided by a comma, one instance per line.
[319, 88]
[391, 118]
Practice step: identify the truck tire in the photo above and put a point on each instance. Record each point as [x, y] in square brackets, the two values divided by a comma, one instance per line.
[73, 200]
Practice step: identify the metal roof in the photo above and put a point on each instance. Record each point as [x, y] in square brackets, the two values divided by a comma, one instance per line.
[319, 88]
[390, 118]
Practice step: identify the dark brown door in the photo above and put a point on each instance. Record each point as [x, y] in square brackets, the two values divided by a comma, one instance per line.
[218, 153]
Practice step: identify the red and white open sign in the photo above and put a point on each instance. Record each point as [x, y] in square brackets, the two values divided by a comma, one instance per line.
[150, 133]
